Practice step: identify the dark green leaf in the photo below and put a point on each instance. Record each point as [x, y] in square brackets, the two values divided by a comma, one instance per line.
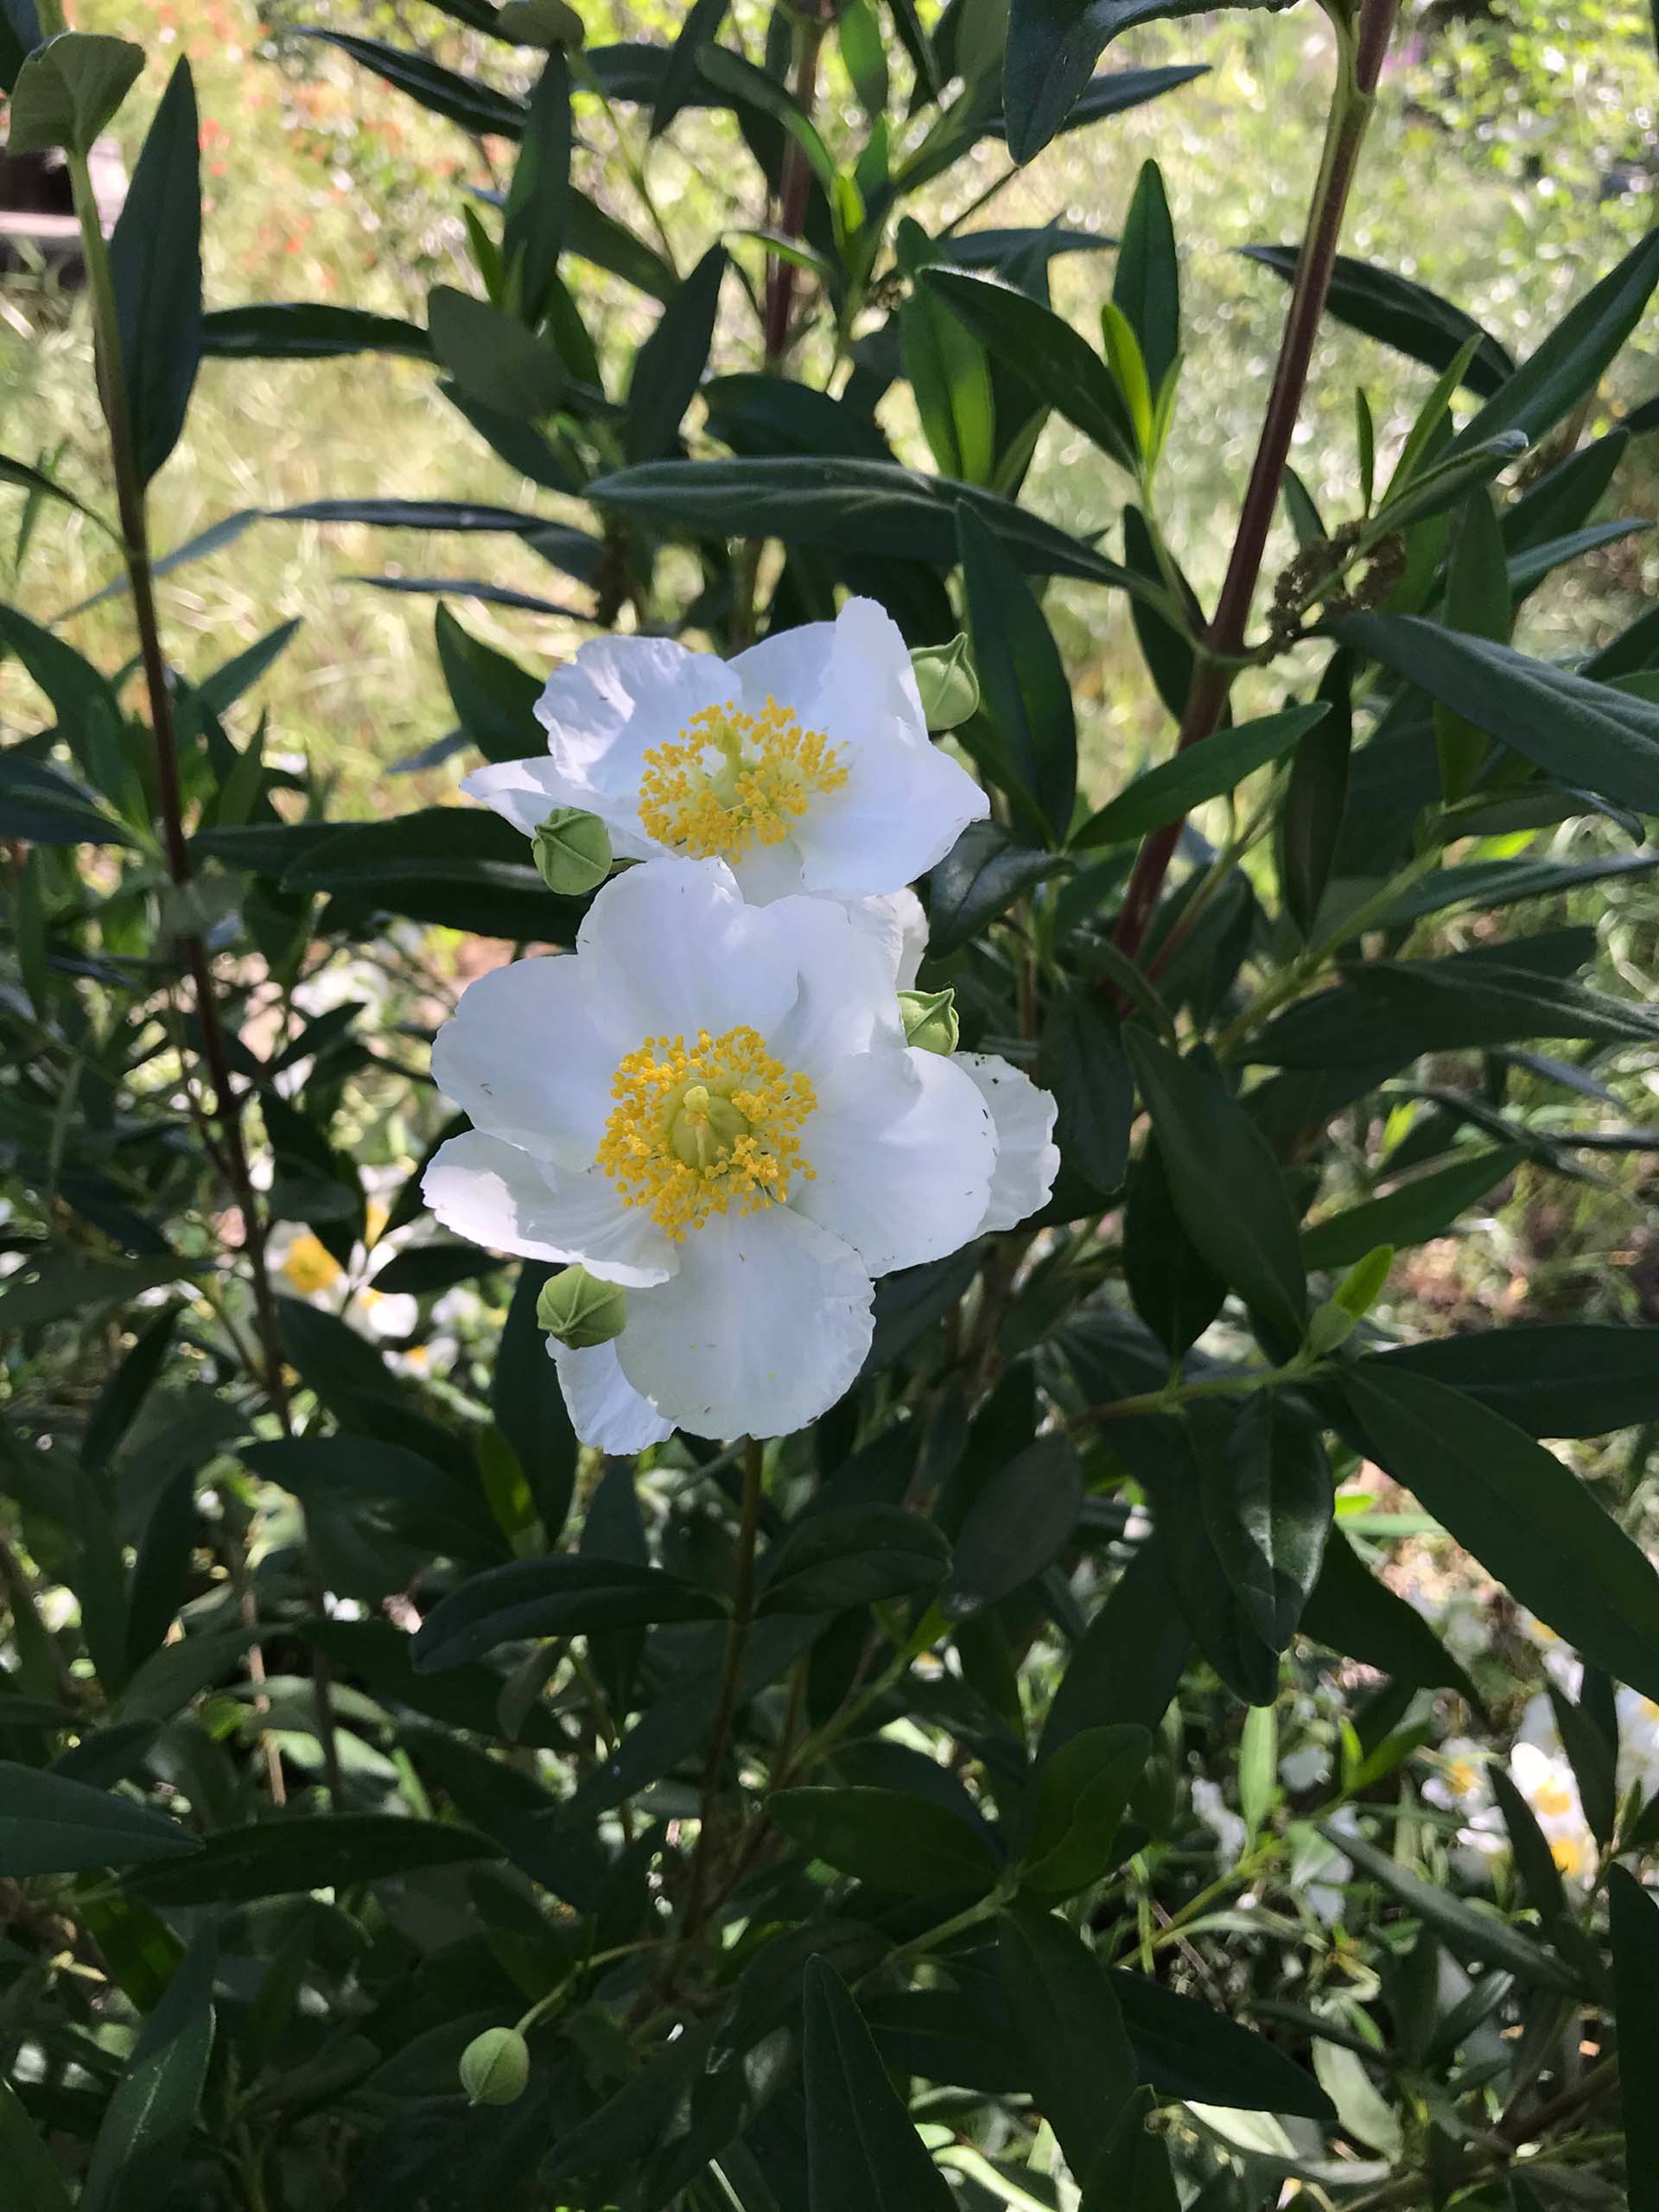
[42, 805]
[379, 1510]
[156, 267]
[945, 367]
[477, 107]
[862, 2154]
[1175, 1290]
[1015, 1527]
[1268, 1503]
[492, 358]
[494, 698]
[1202, 771]
[1022, 679]
[564, 1595]
[50, 1825]
[1527, 1518]
[1129, 1664]
[1566, 1379]
[679, 79]
[1635, 1931]
[148, 2121]
[852, 1555]
[1568, 363]
[887, 1838]
[538, 199]
[1075, 1807]
[1133, 2173]
[1411, 1214]
[1052, 46]
[669, 367]
[1403, 314]
[529, 1406]
[307, 330]
[1084, 1065]
[1188, 2049]
[34, 2171]
[460, 866]
[1080, 2067]
[1058, 364]
[299, 1851]
[980, 878]
[69, 90]
[1541, 1878]
[1223, 1181]
[1467, 1930]
[1146, 286]
[848, 505]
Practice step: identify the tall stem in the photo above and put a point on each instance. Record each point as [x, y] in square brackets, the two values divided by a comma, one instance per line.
[1360, 66]
[227, 1103]
[731, 1683]
[793, 189]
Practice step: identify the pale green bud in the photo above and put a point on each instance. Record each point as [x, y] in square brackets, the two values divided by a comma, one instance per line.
[1362, 1286]
[945, 678]
[930, 1020]
[494, 2067]
[541, 22]
[580, 1310]
[573, 851]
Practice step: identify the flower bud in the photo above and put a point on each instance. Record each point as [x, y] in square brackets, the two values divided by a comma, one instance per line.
[945, 678]
[572, 850]
[494, 2067]
[930, 1020]
[545, 23]
[580, 1310]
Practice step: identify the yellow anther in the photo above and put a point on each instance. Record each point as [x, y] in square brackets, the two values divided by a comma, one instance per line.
[733, 779]
[697, 1129]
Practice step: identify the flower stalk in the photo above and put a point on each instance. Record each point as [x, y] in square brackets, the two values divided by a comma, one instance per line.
[1361, 51]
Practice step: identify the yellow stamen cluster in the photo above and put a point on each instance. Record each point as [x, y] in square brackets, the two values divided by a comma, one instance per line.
[733, 779]
[696, 1130]
[310, 1265]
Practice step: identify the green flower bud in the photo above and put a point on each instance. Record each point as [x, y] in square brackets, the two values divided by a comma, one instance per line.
[1329, 1326]
[545, 23]
[580, 1310]
[945, 678]
[573, 851]
[930, 1020]
[494, 2067]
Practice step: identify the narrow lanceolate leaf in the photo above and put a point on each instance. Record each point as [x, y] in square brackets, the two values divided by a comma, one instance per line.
[1075, 1807]
[155, 265]
[538, 199]
[52, 1825]
[1022, 679]
[1568, 363]
[1202, 771]
[1266, 1504]
[1526, 1518]
[1403, 314]
[1056, 361]
[307, 330]
[69, 90]
[982, 875]
[1084, 1065]
[279, 1857]
[1581, 731]
[1564, 1378]
[1634, 1932]
[862, 2154]
[887, 1838]
[852, 1555]
[1223, 1181]
[148, 2121]
[1411, 1214]
[669, 364]
[946, 369]
[31, 2169]
[1146, 286]
[561, 1596]
[1467, 1931]
[476, 106]
[1053, 46]
[1350, 1611]
[1080, 2067]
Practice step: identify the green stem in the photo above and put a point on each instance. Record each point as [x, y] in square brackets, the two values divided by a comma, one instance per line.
[1174, 1395]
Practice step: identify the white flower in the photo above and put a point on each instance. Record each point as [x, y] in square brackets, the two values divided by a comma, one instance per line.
[1546, 1780]
[306, 1269]
[712, 1104]
[804, 763]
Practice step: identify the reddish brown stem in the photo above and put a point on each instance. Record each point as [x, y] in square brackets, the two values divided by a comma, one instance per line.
[1212, 674]
[794, 188]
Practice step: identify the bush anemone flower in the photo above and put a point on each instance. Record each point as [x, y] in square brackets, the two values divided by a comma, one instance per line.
[712, 1106]
[804, 764]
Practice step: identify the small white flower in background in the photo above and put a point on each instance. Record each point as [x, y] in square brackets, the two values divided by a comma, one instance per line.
[1546, 1781]
[804, 764]
[712, 1105]
[305, 1268]
[1230, 1831]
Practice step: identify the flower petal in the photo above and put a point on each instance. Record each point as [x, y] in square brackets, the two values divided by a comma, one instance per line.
[605, 709]
[899, 924]
[843, 1001]
[498, 1195]
[1028, 1159]
[606, 1410]
[766, 1324]
[905, 802]
[530, 1057]
[671, 948]
[903, 1152]
[525, 792]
